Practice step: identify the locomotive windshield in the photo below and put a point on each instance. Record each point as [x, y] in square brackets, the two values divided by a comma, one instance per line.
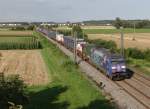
[117, 62]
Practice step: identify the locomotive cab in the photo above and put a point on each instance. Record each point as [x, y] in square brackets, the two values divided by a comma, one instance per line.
[118, 66]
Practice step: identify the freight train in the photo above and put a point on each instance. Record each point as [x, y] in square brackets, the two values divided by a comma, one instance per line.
[113, 65]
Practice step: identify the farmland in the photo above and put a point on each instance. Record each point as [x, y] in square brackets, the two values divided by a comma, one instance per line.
[18, 40]
[97, 27]
[87, 27]
[16, 33]
[28, 64]
[142, 40]
[114, 31]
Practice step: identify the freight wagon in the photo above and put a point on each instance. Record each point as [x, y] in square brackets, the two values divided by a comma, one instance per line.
[52, 34]
[69, 42]
[60, 38]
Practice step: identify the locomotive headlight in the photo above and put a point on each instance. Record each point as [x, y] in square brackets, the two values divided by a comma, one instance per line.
[113, 68]
[123, 67]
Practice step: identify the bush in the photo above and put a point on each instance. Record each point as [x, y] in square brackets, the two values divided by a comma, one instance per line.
[31, 27]
[19, 28]
[79, 31]
[147, 54]
[105, 44]
[65, 32]
[134, 53]
[12, 89]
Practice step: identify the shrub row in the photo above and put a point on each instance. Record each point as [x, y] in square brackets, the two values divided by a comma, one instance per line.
[105, 44]
[138, 54]
[23, 28]
[65, 32]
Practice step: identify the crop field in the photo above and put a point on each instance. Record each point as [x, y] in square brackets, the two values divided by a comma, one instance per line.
[18, 33]
[97, 27]
[114, 31]
[142, 40]
[63, 28]
[69, 88]
[18, 40]
[26, 63]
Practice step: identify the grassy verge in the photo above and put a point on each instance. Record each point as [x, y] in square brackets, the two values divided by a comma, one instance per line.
[69, 89]
[141, 65]
[113, 31]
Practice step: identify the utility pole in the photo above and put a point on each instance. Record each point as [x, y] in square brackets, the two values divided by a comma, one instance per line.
[122, 42]
[75, 44]
[83, 34]
[134, 27]
[56, 31]
[134, 33]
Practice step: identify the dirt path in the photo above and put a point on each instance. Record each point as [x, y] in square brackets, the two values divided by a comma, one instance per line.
[27, 63]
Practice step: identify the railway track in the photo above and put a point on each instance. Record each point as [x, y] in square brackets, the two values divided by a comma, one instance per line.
[130, 88]
[141, 79]
[138, 87]
[136, 94]
[145, 77]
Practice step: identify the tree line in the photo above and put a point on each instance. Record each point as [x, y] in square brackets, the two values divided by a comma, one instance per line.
[131, 23]
[23, 28]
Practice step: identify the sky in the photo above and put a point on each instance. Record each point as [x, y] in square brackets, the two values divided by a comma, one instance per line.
[72, 10]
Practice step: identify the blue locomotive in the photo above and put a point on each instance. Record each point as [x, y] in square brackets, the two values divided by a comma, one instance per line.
[112, 64]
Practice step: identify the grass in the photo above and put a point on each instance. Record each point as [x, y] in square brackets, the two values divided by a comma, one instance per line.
[113, 31]
[141, 65]
[69, 88]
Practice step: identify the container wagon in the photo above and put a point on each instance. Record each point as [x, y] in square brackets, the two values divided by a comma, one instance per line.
[69, 43]
[52, 34]
[60, 38]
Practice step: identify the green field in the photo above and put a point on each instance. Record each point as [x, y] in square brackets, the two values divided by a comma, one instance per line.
[113, 31]
[69, 88]
[107, 31]
[18, 42]
[141, 65]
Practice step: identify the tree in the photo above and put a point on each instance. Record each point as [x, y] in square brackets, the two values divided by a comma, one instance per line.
[118, 23]
[12, 89]
[31, 27]
[79, 31]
